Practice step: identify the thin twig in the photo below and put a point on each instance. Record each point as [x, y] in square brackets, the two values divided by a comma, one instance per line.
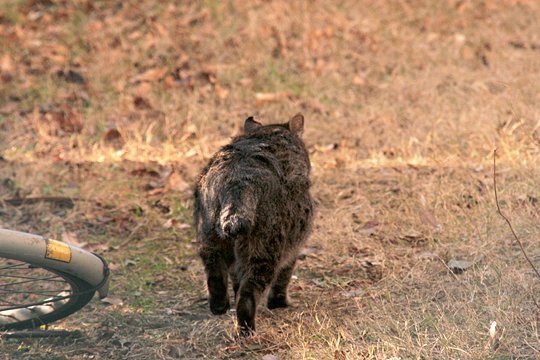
[42, 334]
[57, 200]
[505, 218]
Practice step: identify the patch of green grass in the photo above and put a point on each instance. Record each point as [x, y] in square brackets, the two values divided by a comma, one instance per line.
[75, 36]
[147, 274]
[277, 76]
[146, 303]
[47, 189]
[16, 152]
[137, 286]
[428, 324]
[11, 10]
[44, 89]
[78, 20]
[181, 210]
[213, 6]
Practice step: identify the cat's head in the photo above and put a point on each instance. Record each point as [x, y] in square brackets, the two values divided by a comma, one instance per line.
[295, 126]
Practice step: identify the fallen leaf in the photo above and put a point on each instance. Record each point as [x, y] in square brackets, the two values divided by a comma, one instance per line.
[130, 262]
[71, 76]
[169, 81]
[413, 236]
[170, 223]
[428, 216]
[305, 252]
[459, 266]
[152, 185]
[6, 68]
[359, 81]
[261, 98]
[70, 237]
[221, 92]
[340, 355]
[190, 131]
[165, 171]
[134, 35]
[156, 280]
[112, 301]
[162, 206]
[354, 293]
[9, 108]
[56, 53]
[426, 255]
[369, 228]
[113, 137]
[327, 147]
[183, 226]
[168, 260]
[104, 220]
[270, 357]
[154, 169]
[254, 347]
[67, 118]
[6, 63]
[141, 103]
[460, 39]
[156, 191]
[209, 72]
[245, 81]
[492, 329]
[94, 26]
[177, 183]
[150, 75]
[495, 335]
[176, 352]
[98, 248]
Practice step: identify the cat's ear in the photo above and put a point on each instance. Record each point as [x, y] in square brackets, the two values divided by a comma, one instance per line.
[250, 125]
[296, 124]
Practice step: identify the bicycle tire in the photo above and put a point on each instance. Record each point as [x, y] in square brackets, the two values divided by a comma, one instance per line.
[32, 316]
[43, 280]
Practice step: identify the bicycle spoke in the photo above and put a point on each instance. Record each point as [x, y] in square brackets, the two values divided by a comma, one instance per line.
[31, 279]
[15, 266]
[47, 293]
[34, 291]
[5, 302]
[47, 302]
[30, 288]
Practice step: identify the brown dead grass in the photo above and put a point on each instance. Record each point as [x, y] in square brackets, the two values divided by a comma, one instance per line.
[404, 101]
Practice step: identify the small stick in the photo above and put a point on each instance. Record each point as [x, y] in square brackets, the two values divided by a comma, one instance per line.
[42, 334]
[57, 200]
[506, 219]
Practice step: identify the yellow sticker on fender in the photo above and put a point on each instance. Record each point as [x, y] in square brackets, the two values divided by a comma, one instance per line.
[57, 250]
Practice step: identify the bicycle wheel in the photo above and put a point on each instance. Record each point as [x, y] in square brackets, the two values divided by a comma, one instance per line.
[31, 296]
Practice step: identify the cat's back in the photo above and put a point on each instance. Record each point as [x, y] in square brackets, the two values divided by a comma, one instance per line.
[246, 157]
[270, 157]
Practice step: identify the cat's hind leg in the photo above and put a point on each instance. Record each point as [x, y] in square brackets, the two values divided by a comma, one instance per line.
[217, 278]
[255, 277]
[277, 297]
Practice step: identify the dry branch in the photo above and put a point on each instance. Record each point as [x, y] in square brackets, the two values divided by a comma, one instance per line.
[505, 218]
[57, 200]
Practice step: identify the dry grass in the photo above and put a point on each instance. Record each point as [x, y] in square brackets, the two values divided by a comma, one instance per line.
[405, 102]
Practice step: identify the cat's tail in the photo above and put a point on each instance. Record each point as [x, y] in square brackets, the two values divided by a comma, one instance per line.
[237, 216]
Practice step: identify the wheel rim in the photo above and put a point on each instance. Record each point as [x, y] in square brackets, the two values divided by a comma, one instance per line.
[29, 293]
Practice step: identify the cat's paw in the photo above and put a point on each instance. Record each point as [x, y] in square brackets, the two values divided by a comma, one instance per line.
[278, 301]
[219, 306]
